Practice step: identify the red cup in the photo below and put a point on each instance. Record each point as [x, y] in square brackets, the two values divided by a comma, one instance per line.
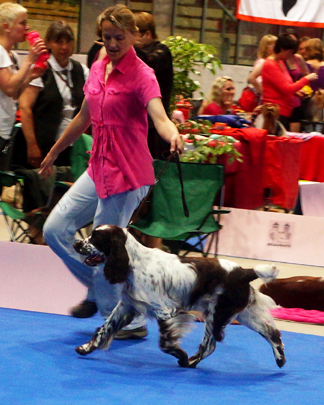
[32, 36]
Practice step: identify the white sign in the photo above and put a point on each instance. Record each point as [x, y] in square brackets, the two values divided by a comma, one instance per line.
[305, 13]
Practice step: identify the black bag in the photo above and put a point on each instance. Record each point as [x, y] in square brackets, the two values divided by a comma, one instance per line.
[7, 150]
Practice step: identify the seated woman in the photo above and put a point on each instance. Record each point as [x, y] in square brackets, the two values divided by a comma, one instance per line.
[220, 99]
[278, 85]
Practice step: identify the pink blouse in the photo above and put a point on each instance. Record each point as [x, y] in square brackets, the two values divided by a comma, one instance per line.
[120, 158]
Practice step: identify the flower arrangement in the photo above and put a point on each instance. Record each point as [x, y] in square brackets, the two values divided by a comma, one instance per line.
[206, 147]
[211, 150]
[195, 127]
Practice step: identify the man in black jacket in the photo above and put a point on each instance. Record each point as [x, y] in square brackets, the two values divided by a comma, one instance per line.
[159, 58]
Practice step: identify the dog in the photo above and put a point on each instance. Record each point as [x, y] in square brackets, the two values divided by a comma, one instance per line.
[315, 106]
[270, 113]
[297, 292]
[165, 287]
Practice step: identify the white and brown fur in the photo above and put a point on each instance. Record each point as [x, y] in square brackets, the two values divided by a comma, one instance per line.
[166, 287]
[270, 113]
[297, 292]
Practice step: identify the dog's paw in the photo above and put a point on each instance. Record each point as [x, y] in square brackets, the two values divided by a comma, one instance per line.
[281, 362]
[85, 349]
[80, 350]
[193, 361]
[184, 362]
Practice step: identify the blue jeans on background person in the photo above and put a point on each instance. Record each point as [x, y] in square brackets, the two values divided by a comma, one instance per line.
[80, 206]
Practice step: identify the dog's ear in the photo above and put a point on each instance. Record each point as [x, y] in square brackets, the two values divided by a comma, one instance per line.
[116, 269]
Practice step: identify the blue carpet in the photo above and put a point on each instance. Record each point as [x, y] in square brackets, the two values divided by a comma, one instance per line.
[39, 366]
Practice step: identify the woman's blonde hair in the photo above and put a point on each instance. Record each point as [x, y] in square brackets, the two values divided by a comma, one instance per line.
[145, 22]
[216, 92]
[265, 42]
[10, 11]
[314, 49]
[119, 15]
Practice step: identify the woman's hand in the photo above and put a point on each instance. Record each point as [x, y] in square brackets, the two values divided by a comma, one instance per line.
[35, 50]
[34, 156]
[176, 143]
[37, 71]
[312, 76]
[46, 167]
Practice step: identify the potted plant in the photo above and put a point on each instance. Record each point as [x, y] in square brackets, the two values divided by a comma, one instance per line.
[187, 56]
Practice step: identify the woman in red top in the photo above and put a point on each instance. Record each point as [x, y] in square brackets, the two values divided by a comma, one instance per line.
[220, 99]
[278, 86]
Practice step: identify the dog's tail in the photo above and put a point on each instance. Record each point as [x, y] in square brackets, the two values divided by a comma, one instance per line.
[267, 272]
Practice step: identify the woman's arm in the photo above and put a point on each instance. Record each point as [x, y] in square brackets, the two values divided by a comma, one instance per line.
[74, 130]
[256, 72]
[12, 84]
[302, 64]
[274, 76]
[26, 103]
[202, 108]
[165, 128]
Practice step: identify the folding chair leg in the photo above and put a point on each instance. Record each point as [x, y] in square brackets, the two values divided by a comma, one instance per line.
[17, 232]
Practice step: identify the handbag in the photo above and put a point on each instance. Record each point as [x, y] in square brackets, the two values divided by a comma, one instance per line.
[7, 150]
[249, 99]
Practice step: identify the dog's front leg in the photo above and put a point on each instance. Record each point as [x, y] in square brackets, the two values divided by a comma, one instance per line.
[121, 316]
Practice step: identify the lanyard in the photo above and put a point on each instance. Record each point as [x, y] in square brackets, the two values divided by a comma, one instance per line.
[64, 78]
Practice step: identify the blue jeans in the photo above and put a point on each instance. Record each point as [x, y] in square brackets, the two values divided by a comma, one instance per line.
[80, 206]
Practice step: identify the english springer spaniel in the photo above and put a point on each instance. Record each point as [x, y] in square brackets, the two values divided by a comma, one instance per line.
[297, 292]
[166, 287]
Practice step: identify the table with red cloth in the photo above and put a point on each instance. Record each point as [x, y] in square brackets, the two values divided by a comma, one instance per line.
[244, 186]
[269, 162]
[312, 159]
[282, 169]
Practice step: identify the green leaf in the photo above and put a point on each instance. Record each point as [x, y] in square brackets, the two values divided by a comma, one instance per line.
[187, 55]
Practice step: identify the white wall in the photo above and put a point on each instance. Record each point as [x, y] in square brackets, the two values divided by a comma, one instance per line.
[238, 73]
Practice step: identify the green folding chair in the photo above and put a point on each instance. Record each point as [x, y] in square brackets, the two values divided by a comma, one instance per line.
[15, 218]
[80, 156]
[166, 219]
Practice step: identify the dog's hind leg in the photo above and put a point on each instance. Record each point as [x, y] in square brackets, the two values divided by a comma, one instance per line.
[218, 315]
[216, 319]
[171, 330]
[208, 344]
[120, 317]
[257, 317]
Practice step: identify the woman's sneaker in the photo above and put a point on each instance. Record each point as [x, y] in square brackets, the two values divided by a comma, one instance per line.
[137, 333]
[85, 309]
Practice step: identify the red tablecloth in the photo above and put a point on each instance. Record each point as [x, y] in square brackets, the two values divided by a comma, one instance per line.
[312, 159]
[244, 187]
[282, 168]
